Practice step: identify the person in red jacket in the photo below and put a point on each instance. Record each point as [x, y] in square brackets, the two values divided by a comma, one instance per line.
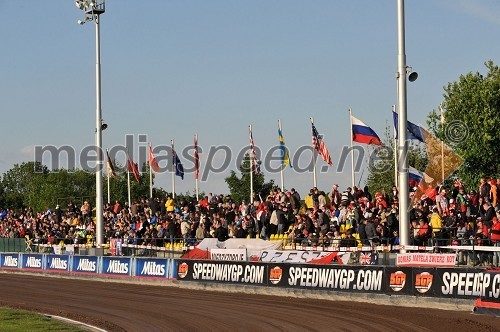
[495, 239]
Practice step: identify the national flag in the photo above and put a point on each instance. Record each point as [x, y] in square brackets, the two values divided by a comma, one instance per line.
[285, 157]
[196, 158]
[415, 177]
[109, 164]
[132, 167]
[179, 169]
[414, 131]
[368, 258]
[361, 133]
[255, 162]
[152, 160]
[458, 183]
[319, 145]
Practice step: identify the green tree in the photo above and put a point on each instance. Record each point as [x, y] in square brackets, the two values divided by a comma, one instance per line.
[239, 187]
[472, 122]
[381, 165]
[19, 184]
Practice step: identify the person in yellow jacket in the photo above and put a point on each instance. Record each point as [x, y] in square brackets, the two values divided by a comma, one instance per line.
[437, 225]
[309, 200]
[169, 204]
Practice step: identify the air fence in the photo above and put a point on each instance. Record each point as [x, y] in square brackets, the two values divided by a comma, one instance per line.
[423, 281]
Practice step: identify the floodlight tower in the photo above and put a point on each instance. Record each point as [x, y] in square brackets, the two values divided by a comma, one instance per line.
[93, 9]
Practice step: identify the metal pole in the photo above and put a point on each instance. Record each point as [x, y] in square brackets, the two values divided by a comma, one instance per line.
[98, 139]
[109, 192]
[402, 144]
[352, 149]
[128, 190]
[283, 158]
[395, 152]
[173, 169]
[442, 144]
[251, 169]
[315, 182]
[150, 176]
[196, 178]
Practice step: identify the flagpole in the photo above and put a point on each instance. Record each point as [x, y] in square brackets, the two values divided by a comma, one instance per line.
[442, 143]
[196, 177]
[128, 181]
[173, 169]
[150, 175]
[315, 182]
[352, 149]
[395, 154]
[282, 160]
[251, 169]
[109, 197]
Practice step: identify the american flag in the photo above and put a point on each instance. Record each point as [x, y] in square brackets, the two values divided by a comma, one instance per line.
[255, 162]
[319, 145]
[196, 158]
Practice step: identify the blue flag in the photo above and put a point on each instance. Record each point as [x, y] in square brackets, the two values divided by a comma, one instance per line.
[179, 169]
[414, 131]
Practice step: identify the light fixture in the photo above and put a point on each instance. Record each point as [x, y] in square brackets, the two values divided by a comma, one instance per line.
[79, 4]
[412, 75]
[104, 125]
[80, 22]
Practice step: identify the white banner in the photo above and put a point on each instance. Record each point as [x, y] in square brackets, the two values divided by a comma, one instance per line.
[228, 254]
[425, 259]
[323, 257]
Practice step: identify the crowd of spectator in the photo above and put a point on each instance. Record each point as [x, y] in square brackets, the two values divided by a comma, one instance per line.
[336, 218]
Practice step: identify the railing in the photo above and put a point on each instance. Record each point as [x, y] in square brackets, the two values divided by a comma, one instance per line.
[470, 251]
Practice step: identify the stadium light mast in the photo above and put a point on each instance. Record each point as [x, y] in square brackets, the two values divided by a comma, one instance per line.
[403, 71]
[93, 9]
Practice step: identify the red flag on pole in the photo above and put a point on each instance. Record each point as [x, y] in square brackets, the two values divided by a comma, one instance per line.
[132, 167]
[152, 161]
[196, 158]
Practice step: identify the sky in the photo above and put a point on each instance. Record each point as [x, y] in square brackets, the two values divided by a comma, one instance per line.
[173, 68]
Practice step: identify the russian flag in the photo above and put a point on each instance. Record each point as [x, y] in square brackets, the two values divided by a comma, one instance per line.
[361, 133]
[415, 176]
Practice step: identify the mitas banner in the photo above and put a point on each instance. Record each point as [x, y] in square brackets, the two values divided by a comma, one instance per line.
[315, 257]
[339, 278]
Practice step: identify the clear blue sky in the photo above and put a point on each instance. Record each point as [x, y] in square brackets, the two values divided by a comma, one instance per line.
[173, 68]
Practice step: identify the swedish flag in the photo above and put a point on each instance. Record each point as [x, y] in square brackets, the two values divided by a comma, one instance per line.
[285, 157]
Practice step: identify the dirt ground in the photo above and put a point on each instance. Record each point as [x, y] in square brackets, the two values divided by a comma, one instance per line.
[133, 307]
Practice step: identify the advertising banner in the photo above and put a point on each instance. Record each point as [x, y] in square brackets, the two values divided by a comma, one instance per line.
[228, 255]
[316, 257]
[424, 281]
[426, 259]
[57, 263]
[85, 264]
[467, 283]
[399, 280]
[226, 272]
[33, 262]
[9, 261]
[331, 277]
[116, 266]
[151, 268]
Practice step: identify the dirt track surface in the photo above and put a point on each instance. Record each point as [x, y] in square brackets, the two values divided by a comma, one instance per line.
[132, 307]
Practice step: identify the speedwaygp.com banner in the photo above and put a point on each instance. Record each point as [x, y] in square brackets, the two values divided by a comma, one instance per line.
[352, 278]
[230, 272]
